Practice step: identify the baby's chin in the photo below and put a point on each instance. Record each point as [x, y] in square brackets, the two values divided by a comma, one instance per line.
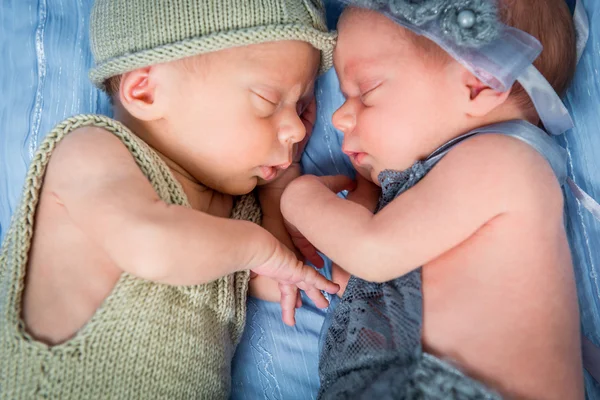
[374, 177]
[242, 185]
[237, 187]
[262, 182]
[368, 173]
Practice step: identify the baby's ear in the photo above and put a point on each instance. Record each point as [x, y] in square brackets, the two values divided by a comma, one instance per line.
[137, 94]
[481, 98]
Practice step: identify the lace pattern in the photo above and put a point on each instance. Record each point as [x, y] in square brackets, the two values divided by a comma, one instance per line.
[373, 346]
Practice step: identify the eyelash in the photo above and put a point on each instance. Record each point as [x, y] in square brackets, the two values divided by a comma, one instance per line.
[301, 106]
[373, 88]
[366, 93]
[265, 99]
[364, 96]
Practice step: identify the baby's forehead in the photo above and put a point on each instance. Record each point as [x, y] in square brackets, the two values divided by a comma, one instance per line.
[278, 65]
[269, 56]
[357, 45]
[366, 34]
[278, 51]
[363, 21]
[369, 31]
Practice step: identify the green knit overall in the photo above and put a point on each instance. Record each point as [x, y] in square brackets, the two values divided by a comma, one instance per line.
[147, 340]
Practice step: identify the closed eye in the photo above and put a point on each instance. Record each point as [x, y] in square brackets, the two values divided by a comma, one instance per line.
[264, 105]
[265, 98]
[364, 95]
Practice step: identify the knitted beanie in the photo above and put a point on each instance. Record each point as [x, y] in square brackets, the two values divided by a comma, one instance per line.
[130, 34]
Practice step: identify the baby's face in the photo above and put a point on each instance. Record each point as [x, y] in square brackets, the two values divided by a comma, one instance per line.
[397, 101]
[234, 116]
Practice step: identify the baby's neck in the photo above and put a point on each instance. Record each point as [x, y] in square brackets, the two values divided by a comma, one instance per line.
[465, 124]
[507, 112]
[468, 123]
[200, 196]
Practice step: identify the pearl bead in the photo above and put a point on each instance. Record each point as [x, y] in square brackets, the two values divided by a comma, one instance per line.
[466, 19]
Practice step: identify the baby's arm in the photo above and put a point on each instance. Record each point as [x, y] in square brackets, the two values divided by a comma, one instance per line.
[269, 196]
[263, 287]
[97, 182]
[462, 194]
[366, 195]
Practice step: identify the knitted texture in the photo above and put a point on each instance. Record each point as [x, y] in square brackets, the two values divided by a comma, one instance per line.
[126, 35]
[147, 340]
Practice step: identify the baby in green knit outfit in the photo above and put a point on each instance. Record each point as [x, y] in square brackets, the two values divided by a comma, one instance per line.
[131, 283]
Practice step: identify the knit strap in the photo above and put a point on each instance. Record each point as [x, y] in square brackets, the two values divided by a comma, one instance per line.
[141, 153]
[15, 250]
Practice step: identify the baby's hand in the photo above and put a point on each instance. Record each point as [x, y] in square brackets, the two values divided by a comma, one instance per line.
[362, 192]
[366, 193]
[283, 266]
[306, 248]
[335, 184]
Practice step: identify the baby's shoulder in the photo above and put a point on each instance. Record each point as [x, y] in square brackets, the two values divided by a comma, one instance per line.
[502, 165]
[498, 151]
[89, 141]
[89, 152]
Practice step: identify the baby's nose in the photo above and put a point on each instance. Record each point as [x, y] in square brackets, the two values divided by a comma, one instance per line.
[344, 120]
[293, 132]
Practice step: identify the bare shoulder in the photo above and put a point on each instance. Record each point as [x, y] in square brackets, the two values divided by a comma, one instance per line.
[91, 166]
[506, 168]
[92, 152]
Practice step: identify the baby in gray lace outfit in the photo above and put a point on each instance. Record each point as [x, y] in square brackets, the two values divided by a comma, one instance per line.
[467, 247]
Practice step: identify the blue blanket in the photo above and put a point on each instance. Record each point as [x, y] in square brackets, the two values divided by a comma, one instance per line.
[43, 79]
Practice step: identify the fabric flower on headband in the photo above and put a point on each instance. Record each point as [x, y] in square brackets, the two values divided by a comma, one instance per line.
[468, 23]
[417, 12]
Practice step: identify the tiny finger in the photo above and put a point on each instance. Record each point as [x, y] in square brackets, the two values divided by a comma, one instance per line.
[317, 297]
[288, 299]
[318, 281]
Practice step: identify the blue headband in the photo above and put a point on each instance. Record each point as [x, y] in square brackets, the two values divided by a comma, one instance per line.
[471, 32]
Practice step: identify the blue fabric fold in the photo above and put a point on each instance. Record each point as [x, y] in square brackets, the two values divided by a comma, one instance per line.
[43, 79]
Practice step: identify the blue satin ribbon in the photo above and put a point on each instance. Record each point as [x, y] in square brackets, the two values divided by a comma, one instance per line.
[552, 111]
[591, 352]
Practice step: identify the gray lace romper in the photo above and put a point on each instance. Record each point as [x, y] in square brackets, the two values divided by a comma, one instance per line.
[372, 348]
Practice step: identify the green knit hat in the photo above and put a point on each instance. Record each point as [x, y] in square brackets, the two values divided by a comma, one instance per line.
[130, 34]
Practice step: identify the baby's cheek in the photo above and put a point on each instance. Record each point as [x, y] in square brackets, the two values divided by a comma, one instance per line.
[251, 144]
[375, 129]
